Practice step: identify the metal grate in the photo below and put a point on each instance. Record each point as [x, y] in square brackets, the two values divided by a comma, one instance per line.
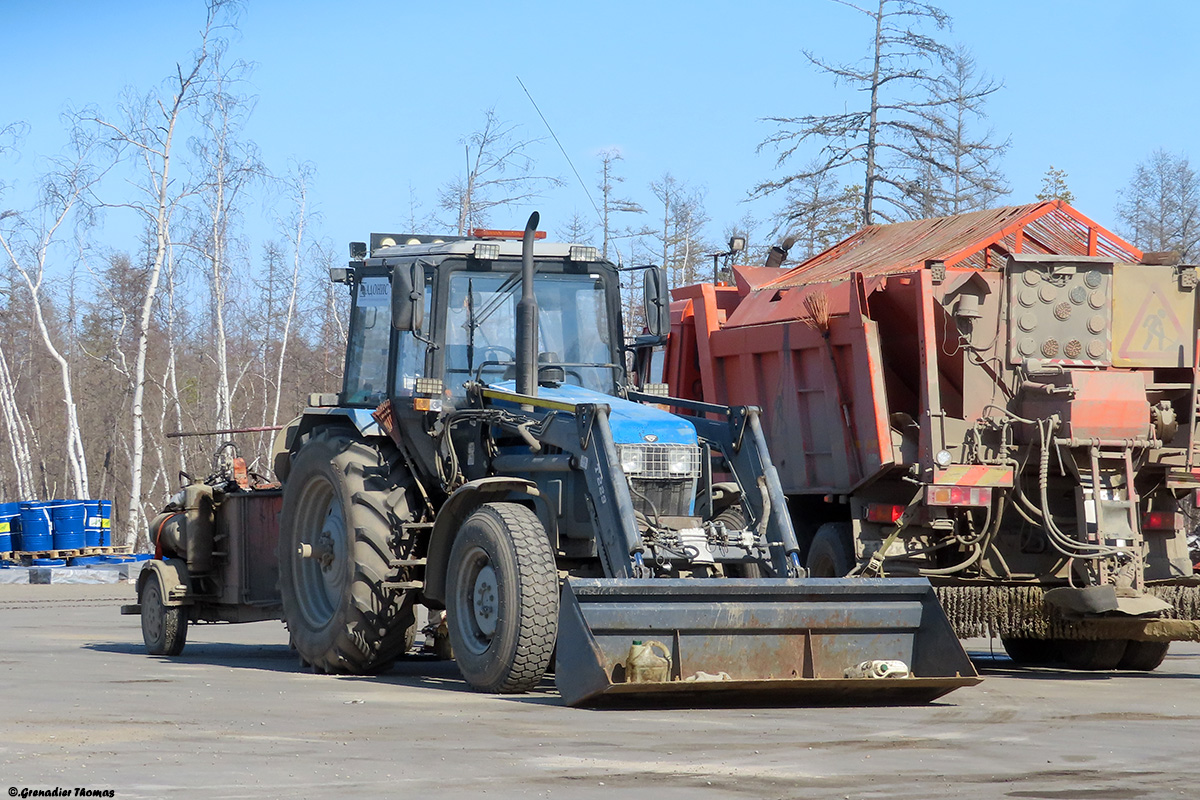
[660, 461]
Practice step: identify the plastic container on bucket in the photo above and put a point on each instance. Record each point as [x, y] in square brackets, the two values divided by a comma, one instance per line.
[36, 528]
[68, 518]
[93, 524]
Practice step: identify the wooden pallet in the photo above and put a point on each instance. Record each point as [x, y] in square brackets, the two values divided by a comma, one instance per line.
[26, 556]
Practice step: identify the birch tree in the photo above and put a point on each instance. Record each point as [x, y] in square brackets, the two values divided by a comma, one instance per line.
[145, 133]
[297, 229]
[611, 204]
[27, 240]
[229, 164]
[499, 172]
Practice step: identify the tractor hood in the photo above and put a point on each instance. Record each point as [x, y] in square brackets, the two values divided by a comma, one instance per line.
[632, 423]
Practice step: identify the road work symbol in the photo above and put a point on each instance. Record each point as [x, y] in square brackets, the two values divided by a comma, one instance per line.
[1153, 335]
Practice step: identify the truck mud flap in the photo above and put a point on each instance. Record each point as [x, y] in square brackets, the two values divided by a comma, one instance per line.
[767, 642]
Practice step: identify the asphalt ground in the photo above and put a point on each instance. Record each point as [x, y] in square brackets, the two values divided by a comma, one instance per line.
[83, 707]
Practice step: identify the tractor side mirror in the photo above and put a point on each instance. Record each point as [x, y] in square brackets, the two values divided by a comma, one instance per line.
[657, 299]
[408, 297]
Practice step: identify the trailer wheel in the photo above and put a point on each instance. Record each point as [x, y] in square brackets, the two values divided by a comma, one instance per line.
[502, 599]
[340, 615]
[164, 628]
[1032, 652]
[1143, 656]
[832, 551]
[1093, 655]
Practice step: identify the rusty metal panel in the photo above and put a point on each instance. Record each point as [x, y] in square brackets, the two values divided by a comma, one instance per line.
[1093, 405]
[976, 240]
[1060, 312]
[1154, 318]
[251, 522]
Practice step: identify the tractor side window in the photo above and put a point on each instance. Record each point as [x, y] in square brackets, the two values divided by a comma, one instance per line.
[370, 334]
[410, 353]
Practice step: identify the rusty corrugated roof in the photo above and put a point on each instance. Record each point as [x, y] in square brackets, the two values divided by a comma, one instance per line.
[979, 240]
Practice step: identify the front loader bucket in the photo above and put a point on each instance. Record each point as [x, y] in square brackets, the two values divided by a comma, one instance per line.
[756, 642]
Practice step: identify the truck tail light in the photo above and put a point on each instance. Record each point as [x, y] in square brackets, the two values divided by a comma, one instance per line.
[958, 495]
[1158, 521]
[884, 513]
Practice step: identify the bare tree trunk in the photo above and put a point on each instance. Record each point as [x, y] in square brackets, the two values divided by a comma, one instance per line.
[873, 126]
[65, 193]
[18, 431]
[297, 237]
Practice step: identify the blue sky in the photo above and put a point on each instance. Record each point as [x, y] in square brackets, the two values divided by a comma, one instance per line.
[377, 94]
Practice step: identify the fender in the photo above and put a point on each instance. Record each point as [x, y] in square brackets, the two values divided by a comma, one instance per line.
[172, 573]
[451, 516]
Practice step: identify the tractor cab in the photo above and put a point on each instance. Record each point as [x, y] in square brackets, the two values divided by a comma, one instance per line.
[446, 310]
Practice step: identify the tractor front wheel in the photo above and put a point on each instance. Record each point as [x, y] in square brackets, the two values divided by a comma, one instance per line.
[502, 599]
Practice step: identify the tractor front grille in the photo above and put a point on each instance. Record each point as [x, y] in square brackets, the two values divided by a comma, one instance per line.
[670, 498]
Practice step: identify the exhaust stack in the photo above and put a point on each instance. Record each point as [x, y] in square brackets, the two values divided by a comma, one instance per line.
[527, 315]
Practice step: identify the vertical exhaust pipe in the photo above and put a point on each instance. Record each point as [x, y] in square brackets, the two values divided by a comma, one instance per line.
[527, 315]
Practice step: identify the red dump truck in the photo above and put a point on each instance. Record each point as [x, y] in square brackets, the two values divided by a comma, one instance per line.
[1003, 401]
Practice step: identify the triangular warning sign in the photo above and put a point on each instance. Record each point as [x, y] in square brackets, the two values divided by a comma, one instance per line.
[1155, 329]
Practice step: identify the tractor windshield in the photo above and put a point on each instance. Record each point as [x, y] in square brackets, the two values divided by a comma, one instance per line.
[573, 329]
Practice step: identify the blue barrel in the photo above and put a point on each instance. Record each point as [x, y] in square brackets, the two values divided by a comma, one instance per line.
[35, 528]
[68, 517]
[10, 523]
[105, 523]
[93, 526]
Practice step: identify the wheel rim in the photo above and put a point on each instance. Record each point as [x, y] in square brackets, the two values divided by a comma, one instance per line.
[153, 614]
[478, 601]
[322, 577]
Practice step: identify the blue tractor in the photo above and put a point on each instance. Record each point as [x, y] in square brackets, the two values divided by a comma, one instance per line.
[489, 456]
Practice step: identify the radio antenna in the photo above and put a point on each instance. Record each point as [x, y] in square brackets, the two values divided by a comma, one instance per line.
[582, 185]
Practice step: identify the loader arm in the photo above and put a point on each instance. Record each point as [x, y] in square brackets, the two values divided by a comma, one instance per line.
[737, 432]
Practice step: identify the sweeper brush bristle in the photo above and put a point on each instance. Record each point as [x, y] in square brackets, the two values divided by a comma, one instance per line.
[817, 306]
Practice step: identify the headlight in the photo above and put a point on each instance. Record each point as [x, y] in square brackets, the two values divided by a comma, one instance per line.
[679, 460]
[632, 460]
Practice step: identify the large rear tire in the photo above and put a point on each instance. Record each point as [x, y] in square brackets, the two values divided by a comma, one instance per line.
[502, 599]
[832, 551]
[1093, 655]
[1031, 652]
[1143, 656]
[164, 628]
[340, 615]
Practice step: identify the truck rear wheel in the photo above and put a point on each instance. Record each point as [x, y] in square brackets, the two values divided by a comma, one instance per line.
[832, 552]
[340, 615]
[1033, 652]
[1143, 656]
[164, 628]
[1093, 655]
[502, 599]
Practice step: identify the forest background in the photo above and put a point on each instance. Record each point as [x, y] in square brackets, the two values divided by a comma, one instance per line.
[176, 181]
